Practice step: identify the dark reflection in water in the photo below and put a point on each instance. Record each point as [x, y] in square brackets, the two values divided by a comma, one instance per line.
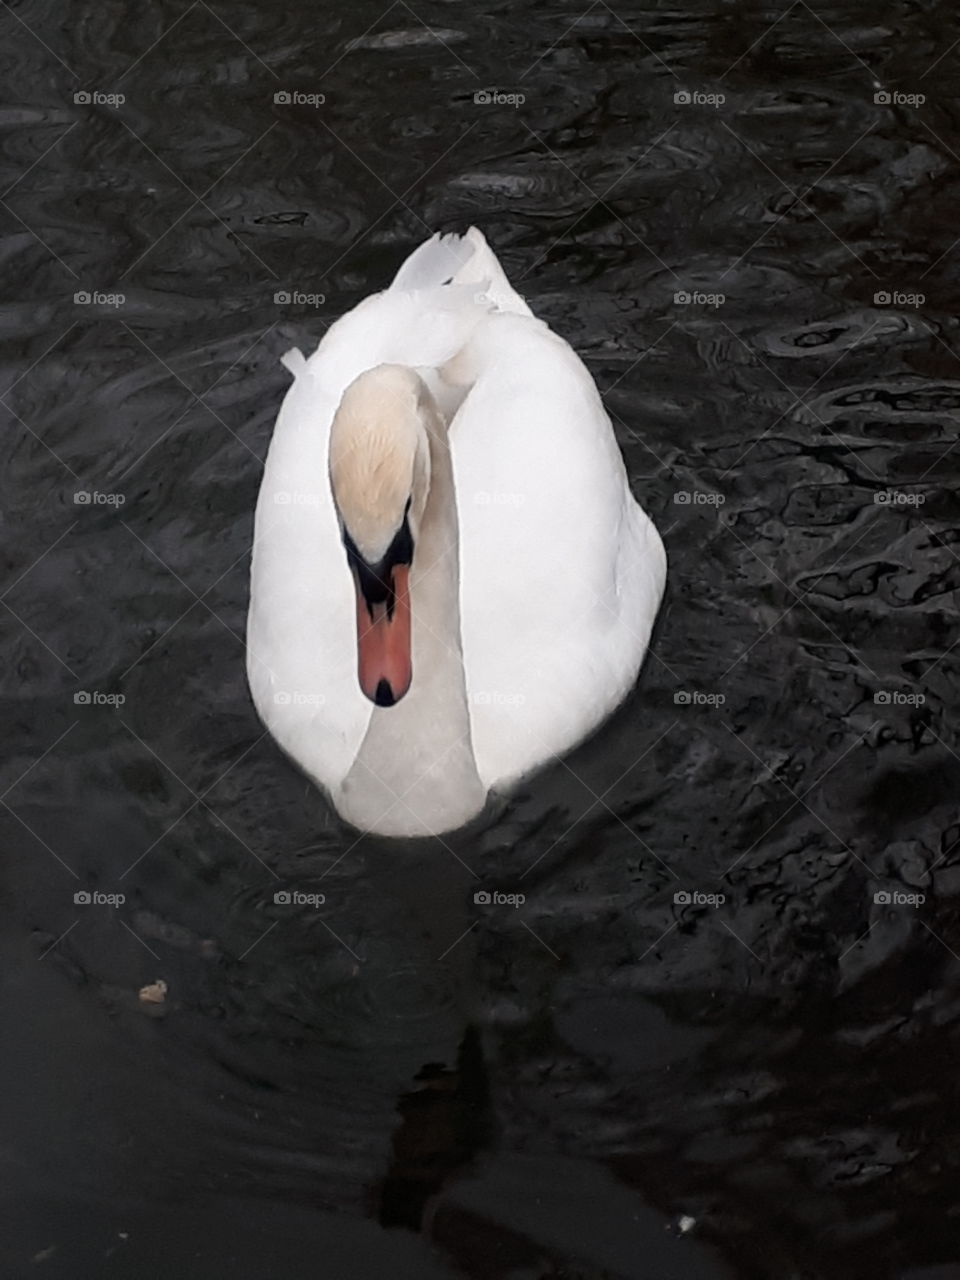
[719, 1036]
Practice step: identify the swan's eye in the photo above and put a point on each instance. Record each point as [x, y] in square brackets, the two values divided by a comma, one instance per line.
[375, 581]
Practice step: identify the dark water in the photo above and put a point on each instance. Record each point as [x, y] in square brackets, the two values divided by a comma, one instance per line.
[348, 1089]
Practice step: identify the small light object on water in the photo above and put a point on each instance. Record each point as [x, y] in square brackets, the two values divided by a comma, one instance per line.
[154, 992]
[686, 1224]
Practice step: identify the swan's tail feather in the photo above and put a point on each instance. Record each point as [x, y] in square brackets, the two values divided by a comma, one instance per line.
[294, 361]
[429, 313]
[433, 263]
[460, 260]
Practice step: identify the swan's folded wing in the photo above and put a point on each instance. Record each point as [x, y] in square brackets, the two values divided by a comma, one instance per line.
[423, 329]
[561, 571]
[301, 661]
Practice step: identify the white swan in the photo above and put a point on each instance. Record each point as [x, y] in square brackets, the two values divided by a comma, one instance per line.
[451, 581]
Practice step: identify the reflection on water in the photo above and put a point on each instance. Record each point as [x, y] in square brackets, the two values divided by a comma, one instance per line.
[728, 1004]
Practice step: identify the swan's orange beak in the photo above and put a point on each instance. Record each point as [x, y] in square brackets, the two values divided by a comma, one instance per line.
[383, 641]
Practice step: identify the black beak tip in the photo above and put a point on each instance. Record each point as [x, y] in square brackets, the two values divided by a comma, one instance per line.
[384, 695]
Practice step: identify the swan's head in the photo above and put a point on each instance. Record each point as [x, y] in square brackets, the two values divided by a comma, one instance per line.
[380, 475]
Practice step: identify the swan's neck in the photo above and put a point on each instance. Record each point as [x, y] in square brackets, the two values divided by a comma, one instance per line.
[415, 772]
